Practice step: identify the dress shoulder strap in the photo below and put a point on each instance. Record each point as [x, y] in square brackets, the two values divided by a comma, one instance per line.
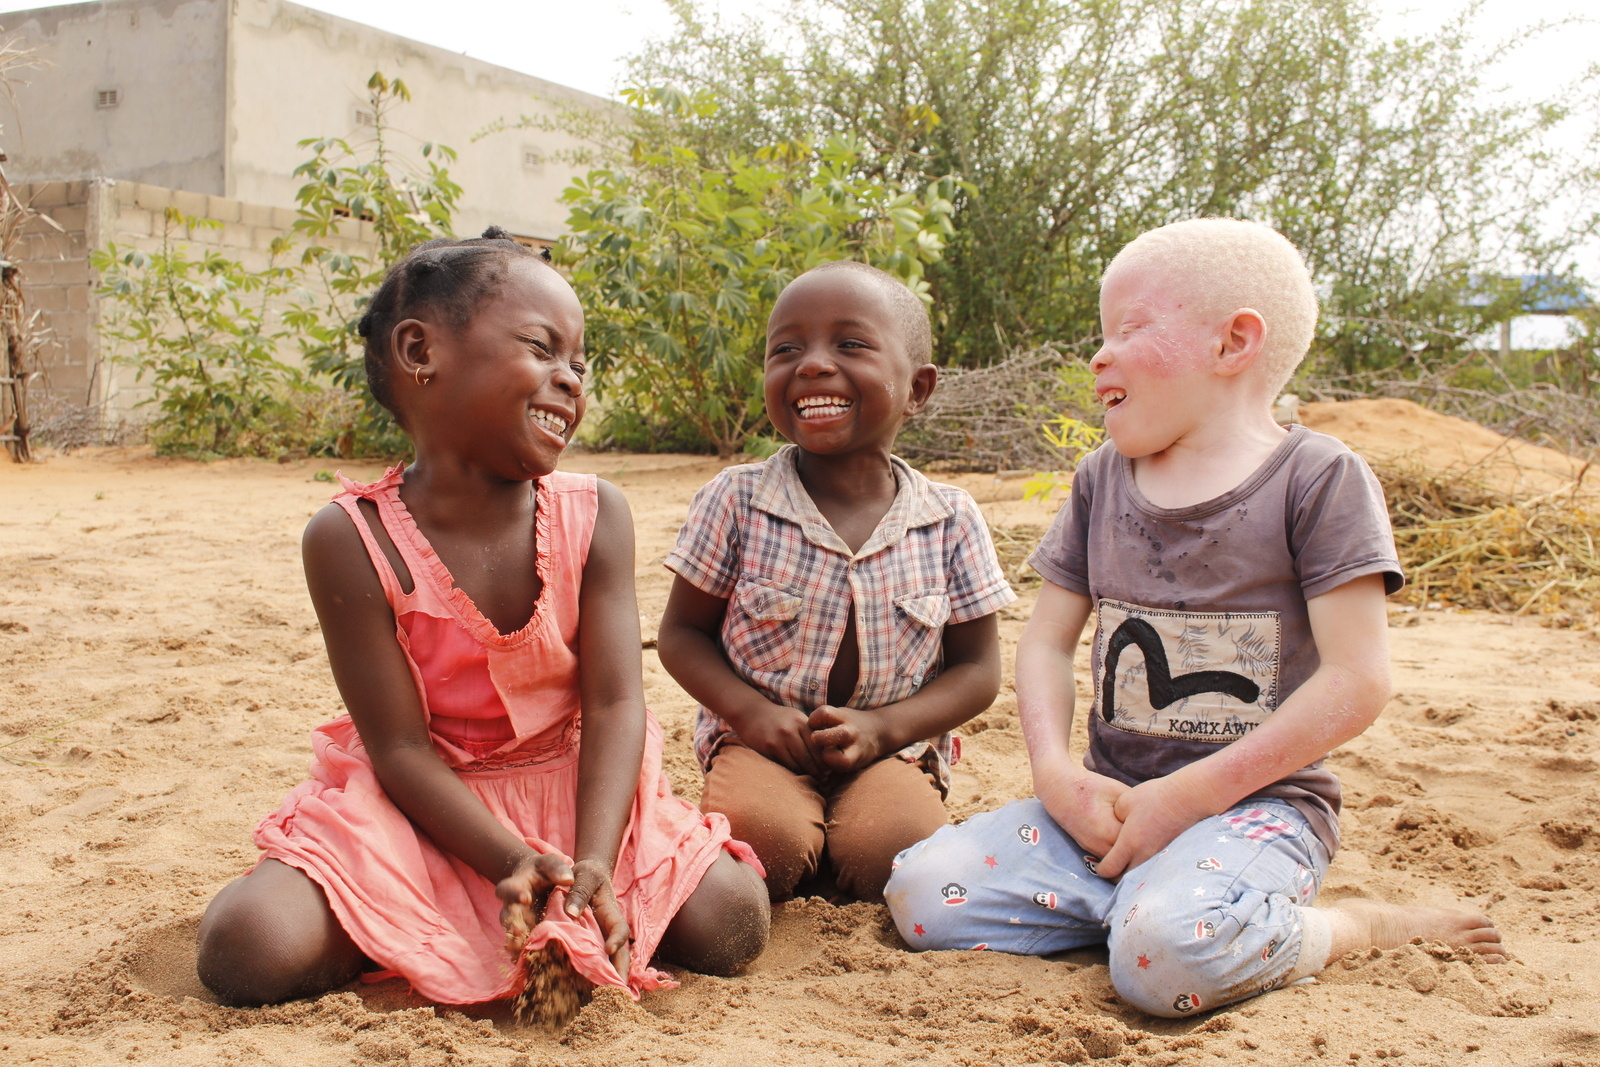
[349, 500]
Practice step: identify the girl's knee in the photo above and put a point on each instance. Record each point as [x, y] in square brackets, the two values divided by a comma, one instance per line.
[254, 947]
[239, 956]
[725, 923]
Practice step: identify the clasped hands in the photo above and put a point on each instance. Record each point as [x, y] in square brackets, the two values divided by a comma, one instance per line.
[524, 891]
[831, 740]
[1122, 825]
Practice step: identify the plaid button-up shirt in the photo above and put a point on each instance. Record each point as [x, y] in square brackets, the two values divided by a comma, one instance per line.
[755, 538]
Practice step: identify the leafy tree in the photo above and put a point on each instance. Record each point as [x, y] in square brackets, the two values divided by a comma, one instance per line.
[678, 258]
[1081, 123]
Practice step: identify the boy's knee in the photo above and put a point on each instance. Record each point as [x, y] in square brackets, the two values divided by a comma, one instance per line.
[788, 852]
[1171, 960]
[919, 877]
[863, 851]
[769, 811]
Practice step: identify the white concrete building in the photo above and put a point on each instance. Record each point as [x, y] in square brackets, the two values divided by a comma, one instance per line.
[211, 98]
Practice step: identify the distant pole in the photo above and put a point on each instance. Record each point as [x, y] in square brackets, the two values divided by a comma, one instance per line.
[1505, 341]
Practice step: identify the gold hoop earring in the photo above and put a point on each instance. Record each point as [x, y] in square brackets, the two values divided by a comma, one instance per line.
[417, 374]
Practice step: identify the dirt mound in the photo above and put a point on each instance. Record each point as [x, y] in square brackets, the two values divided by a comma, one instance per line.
[1398, 431]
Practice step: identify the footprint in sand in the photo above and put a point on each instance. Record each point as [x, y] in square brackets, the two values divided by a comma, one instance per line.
[160, 960]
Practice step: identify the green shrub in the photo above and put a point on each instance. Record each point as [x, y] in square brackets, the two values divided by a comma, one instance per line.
[204, 333]
[208, 335]
[678, 259]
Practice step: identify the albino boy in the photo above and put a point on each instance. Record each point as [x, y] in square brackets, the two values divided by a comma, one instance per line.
[1236, 572]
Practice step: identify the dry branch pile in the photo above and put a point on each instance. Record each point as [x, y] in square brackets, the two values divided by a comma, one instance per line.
[1467, 544]
[989, 418]
[1014, 544]
[19, 330]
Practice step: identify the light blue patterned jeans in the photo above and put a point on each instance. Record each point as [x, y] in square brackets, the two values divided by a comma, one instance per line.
[1213, 918]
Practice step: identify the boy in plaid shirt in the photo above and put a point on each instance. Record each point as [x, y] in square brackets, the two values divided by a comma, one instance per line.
[834, 611]
[1236, 572]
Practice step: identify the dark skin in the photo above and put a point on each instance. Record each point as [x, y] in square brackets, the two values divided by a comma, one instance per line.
[839, 384]
[490, 408]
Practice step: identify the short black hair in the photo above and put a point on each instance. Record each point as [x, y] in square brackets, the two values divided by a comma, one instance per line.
[447, 277]
[910, 312]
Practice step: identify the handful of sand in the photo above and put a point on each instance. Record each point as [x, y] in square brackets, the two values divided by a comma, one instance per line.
[552, 990]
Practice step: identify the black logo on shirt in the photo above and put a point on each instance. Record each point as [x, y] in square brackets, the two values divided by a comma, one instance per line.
[1164, 688]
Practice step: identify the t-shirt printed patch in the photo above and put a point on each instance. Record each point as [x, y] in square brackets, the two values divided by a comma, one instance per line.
[1186, 675]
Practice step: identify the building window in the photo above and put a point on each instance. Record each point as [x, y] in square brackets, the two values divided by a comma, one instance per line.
[364, 117]
[108, 98]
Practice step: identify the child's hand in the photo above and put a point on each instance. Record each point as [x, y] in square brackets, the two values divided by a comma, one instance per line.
[591, 886]
[1084, 805]
[781, 735]
[522, 892]
[848, 738]
[1153, 814]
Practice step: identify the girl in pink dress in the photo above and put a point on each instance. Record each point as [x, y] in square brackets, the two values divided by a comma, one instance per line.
[479, 614]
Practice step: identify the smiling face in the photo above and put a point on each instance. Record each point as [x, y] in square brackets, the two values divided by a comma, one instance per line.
[1154, 364]
[838, 378]
[507, 387]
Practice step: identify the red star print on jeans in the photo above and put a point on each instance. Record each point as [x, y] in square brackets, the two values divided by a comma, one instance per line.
[990, 861]
[1144, 961]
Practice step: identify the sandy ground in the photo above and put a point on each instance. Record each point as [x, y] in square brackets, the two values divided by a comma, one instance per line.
[160, 669]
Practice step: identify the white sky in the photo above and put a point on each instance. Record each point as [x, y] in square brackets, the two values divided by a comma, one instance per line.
[583, 43]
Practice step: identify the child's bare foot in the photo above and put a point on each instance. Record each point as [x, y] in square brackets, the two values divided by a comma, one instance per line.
[1362, 924]
[553, 992]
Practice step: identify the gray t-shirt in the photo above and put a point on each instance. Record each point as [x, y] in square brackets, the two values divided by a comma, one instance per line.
[1201, 627]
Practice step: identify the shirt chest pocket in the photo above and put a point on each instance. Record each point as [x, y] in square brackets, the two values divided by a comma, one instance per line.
[763, 626]
[919, 632]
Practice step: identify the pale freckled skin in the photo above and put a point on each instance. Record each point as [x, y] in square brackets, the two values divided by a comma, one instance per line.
[1188, 368]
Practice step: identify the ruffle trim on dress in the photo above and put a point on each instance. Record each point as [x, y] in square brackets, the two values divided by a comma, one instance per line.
[385, 492]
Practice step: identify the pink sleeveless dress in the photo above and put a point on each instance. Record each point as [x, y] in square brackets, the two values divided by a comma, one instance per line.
[503, 712]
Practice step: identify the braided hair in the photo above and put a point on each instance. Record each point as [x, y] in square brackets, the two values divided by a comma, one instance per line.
[448, 278]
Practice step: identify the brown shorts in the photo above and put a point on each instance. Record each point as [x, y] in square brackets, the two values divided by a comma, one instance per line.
[860, 820]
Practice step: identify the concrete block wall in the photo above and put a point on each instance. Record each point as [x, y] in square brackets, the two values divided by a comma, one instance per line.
[57, 281]
[78, 362]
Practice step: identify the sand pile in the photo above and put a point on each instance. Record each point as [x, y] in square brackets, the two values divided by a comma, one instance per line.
[160, 669]
[1399, 431]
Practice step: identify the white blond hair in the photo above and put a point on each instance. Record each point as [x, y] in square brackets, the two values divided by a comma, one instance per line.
[1224, 265]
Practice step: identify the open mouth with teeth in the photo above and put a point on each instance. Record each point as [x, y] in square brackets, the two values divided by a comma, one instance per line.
[1112, 397]
[550, 421]
[822, 407]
